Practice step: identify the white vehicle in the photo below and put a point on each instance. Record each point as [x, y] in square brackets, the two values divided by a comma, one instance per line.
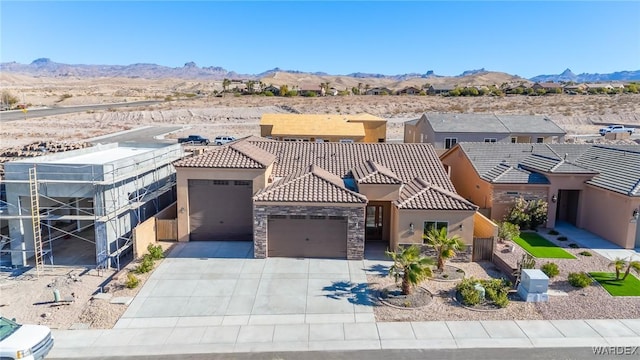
[616, 129]
[29, 342]
[221, 140]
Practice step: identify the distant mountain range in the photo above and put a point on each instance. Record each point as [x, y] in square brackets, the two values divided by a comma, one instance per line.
[568, 75]
[46, 67]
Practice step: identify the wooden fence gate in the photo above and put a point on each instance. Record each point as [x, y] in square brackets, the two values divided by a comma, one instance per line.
[482, 249]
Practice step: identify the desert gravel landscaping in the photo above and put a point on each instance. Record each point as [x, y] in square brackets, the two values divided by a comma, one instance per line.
[565, 301]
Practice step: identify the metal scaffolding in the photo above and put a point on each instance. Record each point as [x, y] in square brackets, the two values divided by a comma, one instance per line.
[150, 179]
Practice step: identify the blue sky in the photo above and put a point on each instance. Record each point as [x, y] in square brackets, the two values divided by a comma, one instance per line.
[520, 38]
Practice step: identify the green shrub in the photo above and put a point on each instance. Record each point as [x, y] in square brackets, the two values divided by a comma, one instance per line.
[268, 93]
[573, 246]
[155, 251]
[580, 280]
[562, 238]
[145, 266]
[470, 296]
[132, 281]
[508, 231]
[550, 269]
[496, 291]
[585, 253]
[553, 232]
[528, 214]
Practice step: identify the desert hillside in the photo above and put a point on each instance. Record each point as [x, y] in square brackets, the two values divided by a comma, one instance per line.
[239, 115]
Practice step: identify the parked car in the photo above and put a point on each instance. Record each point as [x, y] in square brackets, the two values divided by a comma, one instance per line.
[194, 139]
[221, 140]
[30, 342]
[616, 129]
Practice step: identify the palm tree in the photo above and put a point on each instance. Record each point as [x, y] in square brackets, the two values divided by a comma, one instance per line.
[635, 265]
[445, 246]
[411, 266]
[359, 88]
[619, 264]
[225, 84]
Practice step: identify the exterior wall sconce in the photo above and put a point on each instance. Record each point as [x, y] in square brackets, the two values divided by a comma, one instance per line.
[554, 198]
[635, 214]
[182, 210]
[411, 227]
[461, 226]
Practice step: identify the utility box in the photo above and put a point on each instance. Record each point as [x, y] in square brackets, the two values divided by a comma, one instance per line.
[534, 281]
[533, 286]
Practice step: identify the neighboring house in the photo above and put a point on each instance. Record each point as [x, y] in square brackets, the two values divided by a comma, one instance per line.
[410, 90]
[594, 187]
[443, 131]
[440, 89]
[547, 86]
[273, 89]
[576, 88]
[379, 91]
[514, 87]
[300, 199]
[310, 87]
[591, 86]
[324, 127]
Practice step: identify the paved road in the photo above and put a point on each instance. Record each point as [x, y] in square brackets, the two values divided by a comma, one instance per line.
[467, 354]
[35, 113]
[141, 135]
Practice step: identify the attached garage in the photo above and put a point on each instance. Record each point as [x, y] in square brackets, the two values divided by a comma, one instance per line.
[308, 236]
[220, 209]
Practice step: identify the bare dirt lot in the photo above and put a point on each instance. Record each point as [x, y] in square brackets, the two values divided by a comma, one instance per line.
[238, 116]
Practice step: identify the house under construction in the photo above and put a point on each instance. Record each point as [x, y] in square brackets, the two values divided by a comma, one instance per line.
[79, 207]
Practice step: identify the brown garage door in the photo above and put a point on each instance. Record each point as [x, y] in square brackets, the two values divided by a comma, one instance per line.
[307, 236]
[220, 209]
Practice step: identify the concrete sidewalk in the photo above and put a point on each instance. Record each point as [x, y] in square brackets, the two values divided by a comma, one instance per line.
[174, 336]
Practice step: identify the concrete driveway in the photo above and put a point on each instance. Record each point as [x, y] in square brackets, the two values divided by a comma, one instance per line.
[219, 283]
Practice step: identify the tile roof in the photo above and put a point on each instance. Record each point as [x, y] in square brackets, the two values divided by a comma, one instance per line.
[406, 161]
[530, 124]
[492, 123]
[312, 184]
[371, 172]
[614, 167]
[618, 167]
[462, 123]
[239, 154]
[421, 195]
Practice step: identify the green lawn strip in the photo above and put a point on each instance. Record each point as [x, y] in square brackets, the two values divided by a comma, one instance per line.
[540, 247]
[627, 287]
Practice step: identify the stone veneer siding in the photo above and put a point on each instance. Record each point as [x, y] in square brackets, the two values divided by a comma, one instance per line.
[355, 225]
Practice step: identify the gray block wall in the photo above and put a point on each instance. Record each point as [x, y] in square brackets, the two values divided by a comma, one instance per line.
[355, 225]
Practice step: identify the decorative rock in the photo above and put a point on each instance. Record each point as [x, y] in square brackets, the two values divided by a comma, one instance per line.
[124, 300]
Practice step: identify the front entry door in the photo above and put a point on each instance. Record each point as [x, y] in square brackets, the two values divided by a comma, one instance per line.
[373, 222]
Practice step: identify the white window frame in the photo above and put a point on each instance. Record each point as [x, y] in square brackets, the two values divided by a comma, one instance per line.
[346, 141]
[452, 142]
[538, 140]
[514, 140]
[490, 140]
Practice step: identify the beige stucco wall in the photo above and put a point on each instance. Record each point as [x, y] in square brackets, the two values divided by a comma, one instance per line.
[466, 180]
[417, 133]
[565, 182]
[183, 175]
[403, 235]
[609, 215]
[143, 235]
[379, 192]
